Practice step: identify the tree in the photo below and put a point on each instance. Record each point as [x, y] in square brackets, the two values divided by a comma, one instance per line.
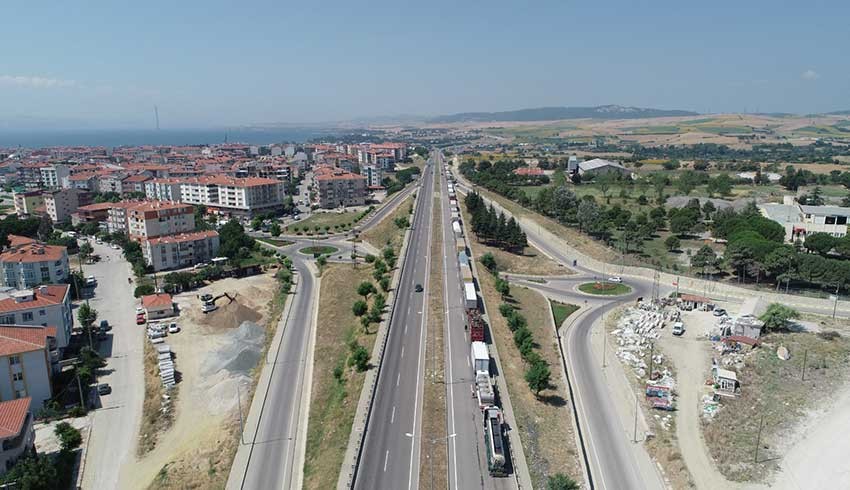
[143, 290]
[777, 316]
[488, 261]
[359, 358]
[34, 472]
[86, 250]
[503, 288]
[672, 243]
[560, 481]
[69, 436]
[45, 229]
[384, 282]
[705, 259]
[359, 308]
[256, 223]
[234, 243]
[537, 376]
[516, 322]
[820, 243]
[275, 230]
[365, 288]
[682, 223]
[86, 315]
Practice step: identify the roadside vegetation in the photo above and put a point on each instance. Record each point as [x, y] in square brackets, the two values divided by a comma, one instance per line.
[328, 222]
[561, 311]
[603, 288]
[390, 230]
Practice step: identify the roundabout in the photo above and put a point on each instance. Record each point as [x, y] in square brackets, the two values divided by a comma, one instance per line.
[601, 288]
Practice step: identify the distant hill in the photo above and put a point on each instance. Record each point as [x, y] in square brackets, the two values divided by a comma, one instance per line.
[839, 113]
[557, 113]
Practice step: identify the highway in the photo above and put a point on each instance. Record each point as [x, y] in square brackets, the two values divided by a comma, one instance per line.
[467, 463]
[390, 454]
[275, 452]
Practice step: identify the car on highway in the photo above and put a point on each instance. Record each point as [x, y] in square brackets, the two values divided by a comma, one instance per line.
[678, 329]
[418, 288]
[617, 279]
[104, 389]
[719, 312]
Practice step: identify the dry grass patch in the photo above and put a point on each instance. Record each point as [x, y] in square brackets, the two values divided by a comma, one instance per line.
[774, 389]
[385, 232]
[334, 399]
[532, 262]
[434, 406]
[154, 421]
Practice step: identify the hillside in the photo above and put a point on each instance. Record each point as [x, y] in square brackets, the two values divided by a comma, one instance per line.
[557, 113]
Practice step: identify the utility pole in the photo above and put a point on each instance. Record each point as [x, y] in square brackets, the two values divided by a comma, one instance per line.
[651, 352]
[805, 358]
[758, 440]
[80, 387]
[241, 421]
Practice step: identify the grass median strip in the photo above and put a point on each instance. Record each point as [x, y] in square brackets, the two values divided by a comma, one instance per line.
[337, 381]
[604, 288]
[560, 311]
[387, 232]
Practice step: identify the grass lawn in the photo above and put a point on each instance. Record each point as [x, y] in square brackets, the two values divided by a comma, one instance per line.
[332, 220]
[276, 242]
[604, 288]
[334, 401]
[386, 232]
[773, 388]
[560, 311]
[319, 249]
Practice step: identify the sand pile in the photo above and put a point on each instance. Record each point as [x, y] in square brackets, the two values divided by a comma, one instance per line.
[228, 315]
[229, 366]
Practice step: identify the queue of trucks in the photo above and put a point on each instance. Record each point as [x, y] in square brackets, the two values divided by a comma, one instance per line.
[484, 389]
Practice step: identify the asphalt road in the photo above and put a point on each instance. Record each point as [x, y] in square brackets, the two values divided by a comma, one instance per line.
[273, 460]
[390, 454]
[467, 463]
[115, 425]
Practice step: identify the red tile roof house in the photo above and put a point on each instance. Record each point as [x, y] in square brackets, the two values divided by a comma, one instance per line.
[26, 362]
[158, 306]
[40, 307]
[17, 436]
[27, 263]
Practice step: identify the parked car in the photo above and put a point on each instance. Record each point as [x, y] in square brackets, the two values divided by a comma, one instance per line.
[105, 326]
[91, 281]
[140, 319]
[615, 279]
[173, 328]
[140, 310]
[104, 389]
[719, 312]
[678, 328]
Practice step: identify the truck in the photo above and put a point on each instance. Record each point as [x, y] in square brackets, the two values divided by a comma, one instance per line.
[456, 229]
[484, 391]
[476, 325]
[460, 244]
[494, 439]
[470, 296]
[466, 273]
[480, 358]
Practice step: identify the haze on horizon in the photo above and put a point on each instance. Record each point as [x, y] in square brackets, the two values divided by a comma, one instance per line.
[212, 64]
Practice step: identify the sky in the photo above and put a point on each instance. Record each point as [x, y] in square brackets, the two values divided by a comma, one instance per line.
[205, 63]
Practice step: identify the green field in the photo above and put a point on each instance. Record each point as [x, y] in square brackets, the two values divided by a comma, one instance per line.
[604, 288]
[560, 311]
[319, 249]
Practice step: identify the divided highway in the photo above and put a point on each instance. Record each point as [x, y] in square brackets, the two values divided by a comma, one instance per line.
[390, 454]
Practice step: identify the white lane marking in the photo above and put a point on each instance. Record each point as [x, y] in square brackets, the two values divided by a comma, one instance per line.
[386, 458]
[467, 362]
[392, 417]
[402, 352]
[397, 379]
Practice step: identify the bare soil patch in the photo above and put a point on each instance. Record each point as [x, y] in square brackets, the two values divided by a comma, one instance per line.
[385, 232]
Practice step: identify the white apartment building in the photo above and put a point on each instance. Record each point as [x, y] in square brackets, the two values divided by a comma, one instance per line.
[55, 176]
[60, 204]
[177, 251]
[27, 263]
[152, 219]
[165, 189]
[26, 203]
[373, 173]
[44, 306]
[800, 220]
[230, 195]
[26, 363]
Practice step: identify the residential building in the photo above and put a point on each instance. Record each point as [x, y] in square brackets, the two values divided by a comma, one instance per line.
[112, 182]
[177, 251]
[92, 213]
[41, 307]
[800, 221]
[55, 176]
[337, 187]
[26, 203]
[27, 263]
[164, 189]
[84, 181]
[374, 175]
[59, 204]
[158, 306]
[116, 219]
[230, 195]
[599, 166]
[17, 435]
[26, 362]
[29, 175]
[150, 219]
[136, 183]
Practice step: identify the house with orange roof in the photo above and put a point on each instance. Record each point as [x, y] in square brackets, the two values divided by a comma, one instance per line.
[32, 263]
[17, 435]
[40, 307]
[27, 361]
[157, 306]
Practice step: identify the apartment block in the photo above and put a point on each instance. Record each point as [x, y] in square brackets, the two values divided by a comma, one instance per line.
[233, 196]
[152, 219]
[337, 187]
[26, 363]
[60, 204]
[40, 307]
[164, 189]
[177, 251]
[27, 263]
[26, 203]
[17, 434]
[55, 176]
[374, 175]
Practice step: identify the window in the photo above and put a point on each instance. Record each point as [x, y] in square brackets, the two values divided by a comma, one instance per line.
[42, 312]
[26, 316]
[18, 376]
[20, 393]
[14, 360]
[7, 320]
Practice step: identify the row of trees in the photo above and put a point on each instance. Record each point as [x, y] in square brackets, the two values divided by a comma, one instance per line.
[492, 227]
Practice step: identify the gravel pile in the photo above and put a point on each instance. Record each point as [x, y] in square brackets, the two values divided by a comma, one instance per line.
[227, 368]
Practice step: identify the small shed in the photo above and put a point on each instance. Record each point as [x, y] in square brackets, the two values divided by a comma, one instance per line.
[725, 382]
[157, 306]
[747, 326]
[692, 301]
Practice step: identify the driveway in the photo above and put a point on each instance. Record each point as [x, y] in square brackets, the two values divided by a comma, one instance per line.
[115, 424]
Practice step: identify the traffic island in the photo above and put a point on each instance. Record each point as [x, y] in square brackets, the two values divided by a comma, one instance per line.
[319, 250]
[604, 288]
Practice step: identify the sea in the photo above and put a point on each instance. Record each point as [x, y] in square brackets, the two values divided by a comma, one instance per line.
[166, 137]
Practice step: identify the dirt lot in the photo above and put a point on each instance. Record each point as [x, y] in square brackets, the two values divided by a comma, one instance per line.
[197, 450]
